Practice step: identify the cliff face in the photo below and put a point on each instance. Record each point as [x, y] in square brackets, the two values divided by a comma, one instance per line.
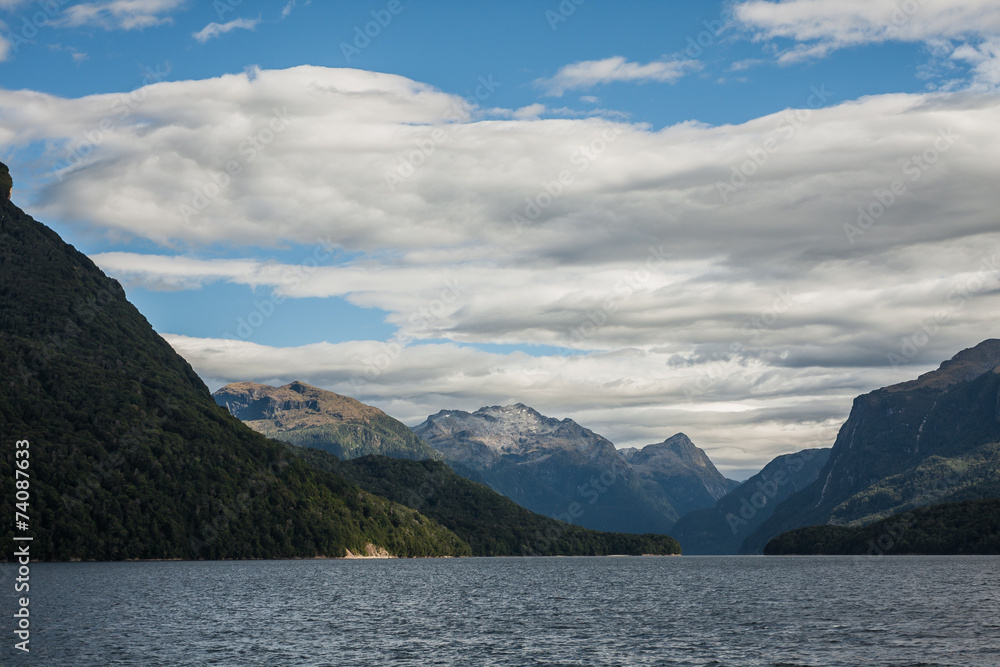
[723, 528]
[897, 447]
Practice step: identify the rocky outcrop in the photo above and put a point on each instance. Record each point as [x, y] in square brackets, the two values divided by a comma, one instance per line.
[301, 414]
[6, 182]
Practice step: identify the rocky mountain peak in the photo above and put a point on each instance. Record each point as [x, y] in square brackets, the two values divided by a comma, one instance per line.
[296, 403]
[968, 364]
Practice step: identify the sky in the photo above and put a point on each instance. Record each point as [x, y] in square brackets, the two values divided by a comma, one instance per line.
[726, 219]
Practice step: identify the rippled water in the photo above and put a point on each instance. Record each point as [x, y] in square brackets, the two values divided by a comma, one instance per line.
[517, 611]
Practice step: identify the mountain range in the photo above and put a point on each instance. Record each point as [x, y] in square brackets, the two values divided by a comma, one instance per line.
[550, 466]
[131, 458]
[559, 468]
[928, 441]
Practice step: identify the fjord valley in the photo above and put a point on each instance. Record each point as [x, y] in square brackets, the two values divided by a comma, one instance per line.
[527, 333]
[561, 469]
[138, 461]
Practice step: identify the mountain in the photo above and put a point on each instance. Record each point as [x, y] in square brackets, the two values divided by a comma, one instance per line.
[926, 441]
[129, 456]
[6, 183]
[304, 415]
[971, 527]
[681, 471]
[490, 523]
[549, 466]
[723, 528]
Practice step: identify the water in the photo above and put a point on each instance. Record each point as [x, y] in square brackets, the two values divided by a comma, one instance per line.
[516, 611]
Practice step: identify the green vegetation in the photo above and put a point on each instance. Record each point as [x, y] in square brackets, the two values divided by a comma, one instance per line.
[381, 435]
[131, 457]
[490, 523]
[970, 527]
[937, 479]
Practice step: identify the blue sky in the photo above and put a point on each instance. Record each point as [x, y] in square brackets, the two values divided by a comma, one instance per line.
[707, 266]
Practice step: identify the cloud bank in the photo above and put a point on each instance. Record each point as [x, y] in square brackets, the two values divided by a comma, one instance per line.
[740, 283]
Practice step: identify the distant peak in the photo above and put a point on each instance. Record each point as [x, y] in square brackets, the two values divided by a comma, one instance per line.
[678, 443]
[967, 365]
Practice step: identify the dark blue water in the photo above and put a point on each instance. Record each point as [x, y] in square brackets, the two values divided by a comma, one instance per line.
[517, 611]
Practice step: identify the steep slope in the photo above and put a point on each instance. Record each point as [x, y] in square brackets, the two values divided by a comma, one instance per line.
[721, 529]
[304, 415]
[550, 466]
[490, 523]
[129, 455]
[969, 528]
[681, 471]
[894, 436]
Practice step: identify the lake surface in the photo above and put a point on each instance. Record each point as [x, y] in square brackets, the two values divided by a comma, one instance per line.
[515, 611]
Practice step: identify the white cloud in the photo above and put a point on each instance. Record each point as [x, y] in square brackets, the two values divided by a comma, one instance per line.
[4, 48]
[414, 382]
[657, 330]
[215, 29]
[589, 73]
[840, 23]
[823, 26]
[123, 14]
[287, 9]
[985, 61]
